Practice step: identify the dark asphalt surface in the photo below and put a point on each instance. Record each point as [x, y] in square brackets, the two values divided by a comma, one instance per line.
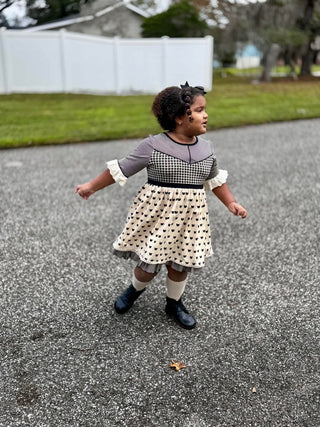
[67, 359]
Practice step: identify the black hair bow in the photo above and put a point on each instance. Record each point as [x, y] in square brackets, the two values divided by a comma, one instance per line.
[201, 88]
[185, 85]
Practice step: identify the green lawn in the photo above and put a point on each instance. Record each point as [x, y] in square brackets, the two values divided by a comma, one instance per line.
[61, 118]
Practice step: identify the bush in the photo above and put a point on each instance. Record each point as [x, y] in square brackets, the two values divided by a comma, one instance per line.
[180, 20]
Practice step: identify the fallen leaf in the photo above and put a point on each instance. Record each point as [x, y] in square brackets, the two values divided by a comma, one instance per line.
[177, 365]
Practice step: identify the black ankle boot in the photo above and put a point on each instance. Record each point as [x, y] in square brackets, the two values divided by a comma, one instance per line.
[125, 301]
[179, 313]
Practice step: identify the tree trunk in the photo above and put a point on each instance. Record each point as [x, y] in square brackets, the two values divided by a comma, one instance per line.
[306, 62]
[270, 61]
[308, 54]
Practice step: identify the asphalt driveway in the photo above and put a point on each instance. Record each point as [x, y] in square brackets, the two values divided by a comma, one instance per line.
[67, 359]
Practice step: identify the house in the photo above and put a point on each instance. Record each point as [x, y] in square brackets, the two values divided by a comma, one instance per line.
[248, 57]
[106, 18]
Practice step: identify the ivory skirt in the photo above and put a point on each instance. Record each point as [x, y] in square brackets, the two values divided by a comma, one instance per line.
[166, 225]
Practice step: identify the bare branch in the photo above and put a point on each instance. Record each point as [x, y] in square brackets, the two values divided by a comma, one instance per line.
[7, 4]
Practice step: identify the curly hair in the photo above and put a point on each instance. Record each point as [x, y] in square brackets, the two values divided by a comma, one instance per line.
[174, 102]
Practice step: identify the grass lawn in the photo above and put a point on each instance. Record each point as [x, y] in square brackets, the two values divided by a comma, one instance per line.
[234, 101]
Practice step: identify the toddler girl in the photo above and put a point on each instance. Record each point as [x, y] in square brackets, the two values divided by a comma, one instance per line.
[168, 220]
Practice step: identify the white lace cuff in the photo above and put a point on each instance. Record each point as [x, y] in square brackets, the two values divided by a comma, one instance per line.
[116, 172]
[217, 181]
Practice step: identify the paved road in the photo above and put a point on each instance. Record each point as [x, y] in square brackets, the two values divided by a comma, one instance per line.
[68, 360]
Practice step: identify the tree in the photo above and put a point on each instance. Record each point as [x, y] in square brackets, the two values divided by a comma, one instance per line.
[310, 24]
[51, 10]
[285, 42]
[180, 20]
[229, 25]
[4, 4]
[233, 30]
[288, 28]
[279, 28]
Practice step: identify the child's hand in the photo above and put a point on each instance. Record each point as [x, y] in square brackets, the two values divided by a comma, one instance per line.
[84, 190]
[237, 209]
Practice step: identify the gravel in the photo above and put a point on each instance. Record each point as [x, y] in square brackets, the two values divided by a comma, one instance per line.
[253, 360]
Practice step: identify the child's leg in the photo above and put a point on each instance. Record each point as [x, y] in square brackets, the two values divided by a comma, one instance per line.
[140, 280]
[176, 282]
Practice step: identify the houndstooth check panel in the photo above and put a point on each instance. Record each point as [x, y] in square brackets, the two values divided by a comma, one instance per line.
[165, 168]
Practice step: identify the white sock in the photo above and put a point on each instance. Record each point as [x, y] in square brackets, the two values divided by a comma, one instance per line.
[175, 289]
[139, 286]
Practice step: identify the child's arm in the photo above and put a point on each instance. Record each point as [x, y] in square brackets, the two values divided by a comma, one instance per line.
[224, 194]
[87, 189]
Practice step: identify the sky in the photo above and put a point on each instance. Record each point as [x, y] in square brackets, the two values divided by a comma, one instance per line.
[16, 11]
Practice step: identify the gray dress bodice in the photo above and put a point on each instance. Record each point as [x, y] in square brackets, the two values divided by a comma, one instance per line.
[171, 162]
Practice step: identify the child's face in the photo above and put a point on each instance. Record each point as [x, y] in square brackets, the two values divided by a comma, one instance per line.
[198, 126]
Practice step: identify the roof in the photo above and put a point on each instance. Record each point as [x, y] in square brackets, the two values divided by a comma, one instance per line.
[78, 19]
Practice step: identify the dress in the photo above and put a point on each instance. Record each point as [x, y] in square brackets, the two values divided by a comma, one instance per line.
[168, 221]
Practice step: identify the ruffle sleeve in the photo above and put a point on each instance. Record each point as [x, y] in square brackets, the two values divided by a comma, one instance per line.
[116, 172]
[217, 181]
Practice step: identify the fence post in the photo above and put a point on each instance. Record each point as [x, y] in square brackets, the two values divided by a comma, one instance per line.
[4, 60]
[116, 63]
[165, 41]
[210, 57]
[63, 59]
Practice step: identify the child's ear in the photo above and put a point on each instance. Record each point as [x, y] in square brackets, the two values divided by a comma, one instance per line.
[178, 121]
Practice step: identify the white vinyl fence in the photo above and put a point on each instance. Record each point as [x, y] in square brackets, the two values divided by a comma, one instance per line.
[61, 61]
